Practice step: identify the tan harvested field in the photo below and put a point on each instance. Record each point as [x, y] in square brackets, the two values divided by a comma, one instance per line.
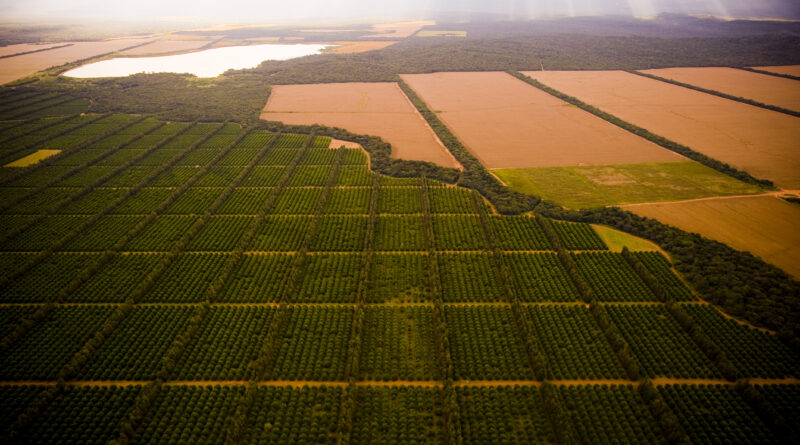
[336, 143]
[792, 70]
[167, 45]
[379, 108]
[398, 29]
[763, 225]
[33, 158]
[764, 143]
[17, 67]
[507, 123]
[26, 47]
[763, 88]
[353, 47]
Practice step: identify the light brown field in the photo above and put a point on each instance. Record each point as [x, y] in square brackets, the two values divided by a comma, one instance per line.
[379, 109]
[17, 67]
[792, 70]
[763, 225]
[33, 158]
[167, 45]
[763, 88]
[507, 123]
[336, 143]
[398, 29]
[761, 142]
[353, 47]
[25, 47]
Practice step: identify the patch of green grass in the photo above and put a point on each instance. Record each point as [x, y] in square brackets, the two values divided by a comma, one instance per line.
[602, 185]
[616, 240]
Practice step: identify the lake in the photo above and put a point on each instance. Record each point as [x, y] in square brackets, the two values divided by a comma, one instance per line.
[207, 63]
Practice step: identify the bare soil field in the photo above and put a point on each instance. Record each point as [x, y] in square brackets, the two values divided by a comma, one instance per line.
[25, 47]
[354, 47]
[792, 70]
[33, 158]
[763, 225]
[17, 67]
[763, 88]
[167, 45]
[336, 143]
[398, 29]
[761, 142]
[380, 109]
[507, 123]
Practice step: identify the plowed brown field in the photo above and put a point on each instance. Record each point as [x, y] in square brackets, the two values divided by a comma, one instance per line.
[17, 67]
[167, 45]
[762, 142]
[354, 47]
[10, 50]
[380, 109]
[507, 123]
[792, 70]
[763, 88]
[763, 225]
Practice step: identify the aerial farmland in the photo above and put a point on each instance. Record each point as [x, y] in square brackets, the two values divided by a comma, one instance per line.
[336, 231]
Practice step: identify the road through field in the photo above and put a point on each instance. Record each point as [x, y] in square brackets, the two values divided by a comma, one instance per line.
[764, 143]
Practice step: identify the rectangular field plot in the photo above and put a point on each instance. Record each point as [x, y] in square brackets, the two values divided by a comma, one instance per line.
[539, 277]
[297, 201]
[399, 278]
[611, 277]
[378, 108]
[609, 414]
[786, 400]
[659, 266]
[43, 234]
[88, 415]
[115, 280]
[398, 344]
[770, 90]
[188, 278]
[468, 277]
[130, 177]
[518, 233]
[245, 201]
[15, 401]
[310, 175]
[400, 200]
[720, 128]
[257, 139]
[495, 116]
[340, 233]
[174, 176]
[398, 415]
[221, 233]
[41, 176]
[258, 279]
[484, 344]
[329, 278]
[208, 407]
[753, 353]
[313, 344]
[218, 176]
[87, 176]
[161, 233]
[135, 349]
[450, 200]
[715, 414]
[485, 415]
[103, 233]
[198, 157]
[42, 202]
[144, 201]
[320, 155]
[349, 201]
[290, 141]
[51, 343]
[292, 414]
[264, 176]
[660, 345]
[239, 156]
[279, 156]
[280, 233]
[458, 232]
[399, 233]
[44, 281]
[574, 345]
[354, 175]
[194, 201]
[227, 341]
[578, 236]
[93, 202]
[12, 316]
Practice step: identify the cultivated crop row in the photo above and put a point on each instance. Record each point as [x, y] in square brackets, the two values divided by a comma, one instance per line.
[397, 344]
[398, 415]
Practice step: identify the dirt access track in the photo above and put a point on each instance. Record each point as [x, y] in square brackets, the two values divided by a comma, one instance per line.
[376, 108]
[771, 90]
[766, 226]
[507, 123]
[761, 142]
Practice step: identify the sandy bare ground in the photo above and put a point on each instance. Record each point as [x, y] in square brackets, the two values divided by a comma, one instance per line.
[353, 47]
[399, 29]
[763, 88]
[792, 70]
[167, 45]
[506, 123]
[379, 109]
[336, 143]
[26, 47]
[17, 67]
[763, 225]
[761, 142]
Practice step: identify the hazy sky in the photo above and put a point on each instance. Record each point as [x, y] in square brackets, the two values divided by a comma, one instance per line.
[269, 11]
